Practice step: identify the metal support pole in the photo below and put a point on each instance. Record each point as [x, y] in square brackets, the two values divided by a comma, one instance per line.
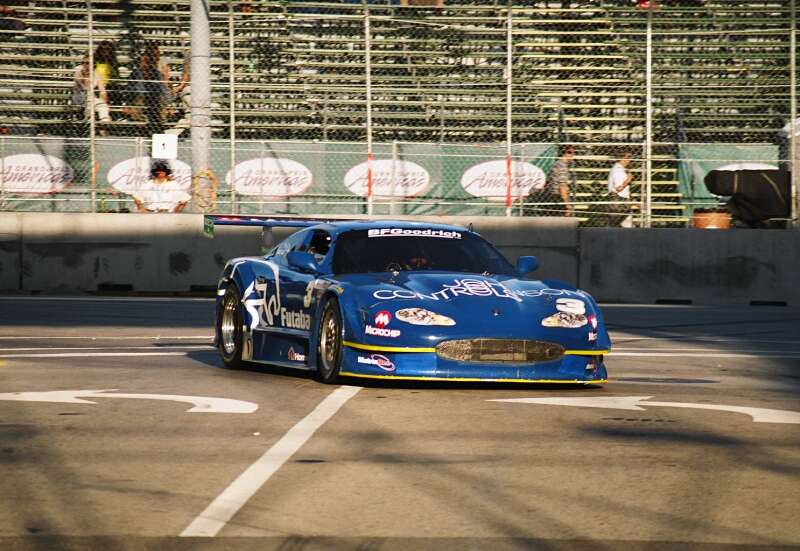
[201, 101]
[509, 89]
[2, 169]
[393, 204]
[232, 103]
[92, 126]
[793, 126]
[368, 68]
[648, 134]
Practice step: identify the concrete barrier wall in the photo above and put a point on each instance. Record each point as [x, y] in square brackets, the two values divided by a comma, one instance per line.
[76, 253]
[702, 266]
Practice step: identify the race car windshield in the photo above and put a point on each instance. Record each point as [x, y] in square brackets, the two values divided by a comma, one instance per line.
[404, 249]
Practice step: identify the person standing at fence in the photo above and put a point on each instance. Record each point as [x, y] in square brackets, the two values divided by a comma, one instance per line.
[557, 189]
[619, 191]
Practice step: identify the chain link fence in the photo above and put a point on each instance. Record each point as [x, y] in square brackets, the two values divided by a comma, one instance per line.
[398, 106]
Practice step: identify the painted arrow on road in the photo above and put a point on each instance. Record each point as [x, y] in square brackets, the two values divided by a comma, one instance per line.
[759, 415]
[202, 404]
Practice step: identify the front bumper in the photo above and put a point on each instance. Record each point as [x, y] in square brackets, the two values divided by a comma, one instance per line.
[378, 362]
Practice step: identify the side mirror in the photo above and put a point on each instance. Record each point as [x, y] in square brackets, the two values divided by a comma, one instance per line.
[527, 264]
[302, 261]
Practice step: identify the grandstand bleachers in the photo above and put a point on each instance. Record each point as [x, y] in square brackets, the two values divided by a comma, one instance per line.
[720, 73]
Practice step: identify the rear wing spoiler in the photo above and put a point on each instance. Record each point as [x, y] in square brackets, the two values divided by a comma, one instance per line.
[266, 223]
[212, 220]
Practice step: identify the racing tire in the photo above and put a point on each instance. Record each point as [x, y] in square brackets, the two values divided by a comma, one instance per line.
[329, 342]
[229, 327]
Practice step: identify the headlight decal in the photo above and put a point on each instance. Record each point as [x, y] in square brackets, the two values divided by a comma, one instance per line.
[421, 316]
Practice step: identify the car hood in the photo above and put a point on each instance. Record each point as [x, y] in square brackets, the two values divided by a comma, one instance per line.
[480, 305]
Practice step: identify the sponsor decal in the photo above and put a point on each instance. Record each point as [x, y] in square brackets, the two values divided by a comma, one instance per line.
[378, 360]
[381, 332]
[389, 179]
[413, 232]
[592, 336]
[476, 288]
[293, 356]
[565, 320]
[421, 316]
[571, 306]
[592, 321]
[490, 179]
[35, 173]
[270, 177]
[294, 319]
[383, 318]
[265, 308]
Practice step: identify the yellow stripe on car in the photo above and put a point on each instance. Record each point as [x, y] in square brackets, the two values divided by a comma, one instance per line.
[471, 379]
[375, 348]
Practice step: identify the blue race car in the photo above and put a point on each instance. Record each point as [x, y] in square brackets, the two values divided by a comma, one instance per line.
[403, 300]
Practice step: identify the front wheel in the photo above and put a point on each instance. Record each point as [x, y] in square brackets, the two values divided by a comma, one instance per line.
[229, 328]
[329, 353]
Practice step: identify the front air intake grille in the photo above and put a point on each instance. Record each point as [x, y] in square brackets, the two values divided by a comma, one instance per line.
[499, 351]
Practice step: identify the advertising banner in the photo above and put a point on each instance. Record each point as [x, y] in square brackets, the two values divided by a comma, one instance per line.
[291, 178]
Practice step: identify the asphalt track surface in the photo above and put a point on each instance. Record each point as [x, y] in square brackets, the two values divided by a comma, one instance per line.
[393, 466]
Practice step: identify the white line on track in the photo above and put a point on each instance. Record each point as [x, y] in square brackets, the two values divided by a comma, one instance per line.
[697, 340]
[702, 355]
[232, 498]
[160, 347]
[109, 299]
[96, 338]
[710, 350]
[93, 354]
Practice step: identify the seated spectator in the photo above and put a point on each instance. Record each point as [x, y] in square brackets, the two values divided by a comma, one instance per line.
[149, 85]
[80, 93]
[106, 67]
[160, 193]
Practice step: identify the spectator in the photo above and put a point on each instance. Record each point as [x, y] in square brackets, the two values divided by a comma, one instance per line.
[160, 193]
[106, 67]
[151, 89]
[619, 190]
[80, 93]
[554, 197]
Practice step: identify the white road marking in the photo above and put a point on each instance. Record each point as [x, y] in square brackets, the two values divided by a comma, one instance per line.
[96, 338]
[704, 355]
[109, 299]
[759, 415]
[54, 348]
[202, 404]
[618, 339]
[233, 498]
[93, 354]
[703, 349]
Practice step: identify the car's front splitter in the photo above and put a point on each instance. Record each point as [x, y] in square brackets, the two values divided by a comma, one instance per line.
[372, 362]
